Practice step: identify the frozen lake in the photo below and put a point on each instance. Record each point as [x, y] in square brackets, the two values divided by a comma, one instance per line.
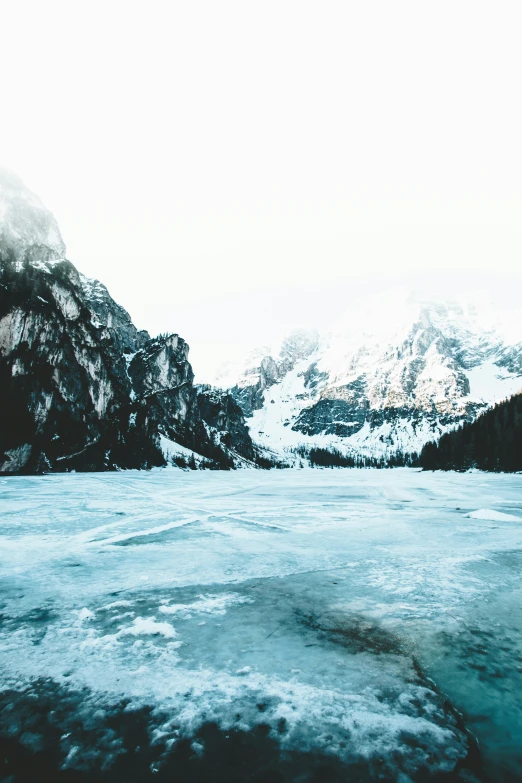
[307, 624]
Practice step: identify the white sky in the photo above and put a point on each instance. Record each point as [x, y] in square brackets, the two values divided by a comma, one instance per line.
[233, 169]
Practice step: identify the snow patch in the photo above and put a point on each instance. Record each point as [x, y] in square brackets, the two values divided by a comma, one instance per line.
[206, 604]
[85, 614]
[492, 516]
[147, 626]
[172, 451]
[489, 383]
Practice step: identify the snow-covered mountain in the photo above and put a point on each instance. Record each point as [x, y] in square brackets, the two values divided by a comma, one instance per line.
[80, 387]
[396, 371]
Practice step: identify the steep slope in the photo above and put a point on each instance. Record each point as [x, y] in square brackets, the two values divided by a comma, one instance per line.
[80, 387]
[395, 372]
[492, 442]
[226, 423]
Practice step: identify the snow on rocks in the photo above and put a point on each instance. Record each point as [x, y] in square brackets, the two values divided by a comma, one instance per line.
[147, 626]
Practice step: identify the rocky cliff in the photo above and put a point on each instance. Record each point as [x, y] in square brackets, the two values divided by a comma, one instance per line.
[80, 387]
[225, 419]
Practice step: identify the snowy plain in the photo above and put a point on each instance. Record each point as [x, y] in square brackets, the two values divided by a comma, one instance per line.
[372, 617]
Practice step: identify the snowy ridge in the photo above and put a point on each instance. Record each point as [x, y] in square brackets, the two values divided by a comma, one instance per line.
[396, 371]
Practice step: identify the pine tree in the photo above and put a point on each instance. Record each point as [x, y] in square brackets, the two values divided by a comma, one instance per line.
[492, 442]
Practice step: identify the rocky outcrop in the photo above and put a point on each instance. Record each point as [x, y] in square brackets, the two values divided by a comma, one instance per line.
[251, 396]
[225, 418]
[111, 318]
[263, 371]
[80, 387]
[162, 385]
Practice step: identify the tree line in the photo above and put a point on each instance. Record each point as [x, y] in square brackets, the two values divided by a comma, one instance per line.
[492, 442]
[333, 458]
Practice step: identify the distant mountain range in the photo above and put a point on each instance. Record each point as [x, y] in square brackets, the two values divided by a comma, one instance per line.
[82, 389]
[397, 371]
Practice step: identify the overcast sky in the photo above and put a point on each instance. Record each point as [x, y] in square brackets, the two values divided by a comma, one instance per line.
[232, 169]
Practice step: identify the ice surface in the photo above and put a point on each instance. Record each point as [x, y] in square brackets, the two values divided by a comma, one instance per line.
[338, 607]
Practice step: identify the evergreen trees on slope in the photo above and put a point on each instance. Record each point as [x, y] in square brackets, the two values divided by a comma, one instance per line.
[492, 442]
[333, 458]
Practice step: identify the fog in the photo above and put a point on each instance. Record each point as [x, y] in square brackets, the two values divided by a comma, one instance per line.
[233, 170]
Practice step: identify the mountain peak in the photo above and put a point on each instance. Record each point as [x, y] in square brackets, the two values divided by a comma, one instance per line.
[28, 231]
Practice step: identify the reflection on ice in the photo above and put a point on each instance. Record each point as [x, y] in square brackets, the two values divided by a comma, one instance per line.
[337, 609]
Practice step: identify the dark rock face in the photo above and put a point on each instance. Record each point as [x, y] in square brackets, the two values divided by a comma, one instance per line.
[342, 419]
[333, 417]
[113, 319]
[163, 388]
[62, 378]
[511, 359]
[313, 377]
[251, 398]
[222, 414]
[344, 410]
[80, 387]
